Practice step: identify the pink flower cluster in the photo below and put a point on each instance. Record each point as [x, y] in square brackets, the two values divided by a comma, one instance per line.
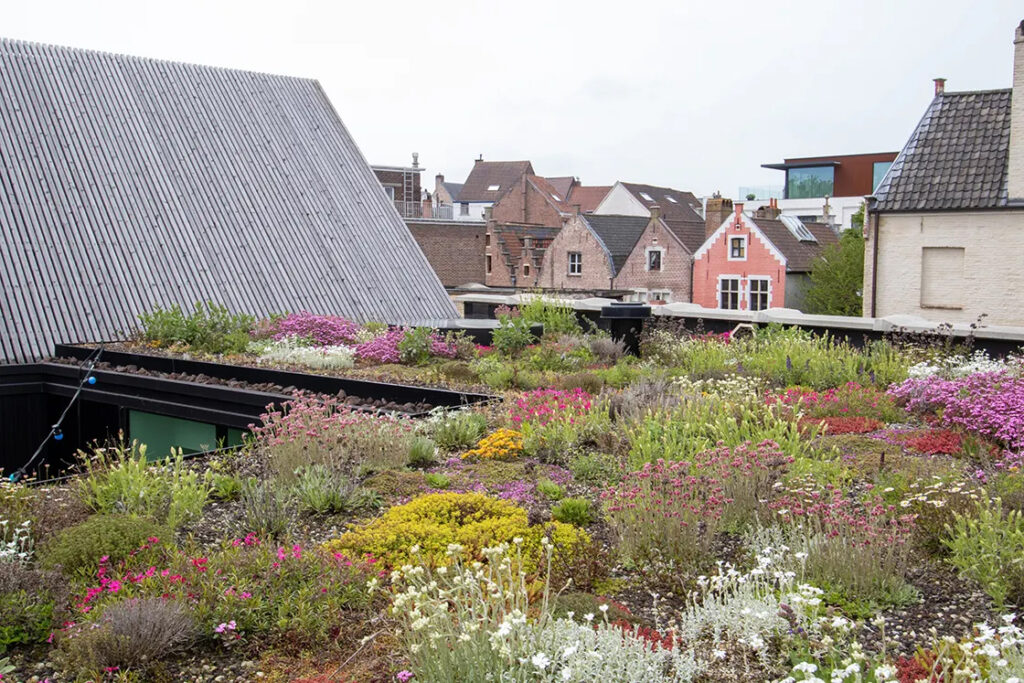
[838, 399]
[322, 330]
[990, 404]
[837, 516]
[309, 418]
[542, 406]
[385, 348]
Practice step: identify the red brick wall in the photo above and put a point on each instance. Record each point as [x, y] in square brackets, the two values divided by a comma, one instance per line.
[503, 266]
[760, 261]
[396, 179]
[676, 264]
[455, 249]
[525, 204]
[597, 271]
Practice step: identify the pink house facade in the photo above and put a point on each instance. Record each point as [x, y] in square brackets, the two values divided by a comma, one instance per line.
[755, 263]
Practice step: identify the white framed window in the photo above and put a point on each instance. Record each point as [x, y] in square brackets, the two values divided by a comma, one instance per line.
[759, 293]
[729, 292]
[738, 248]
[654, 258]
[659, 296]
[647, 196]
[575, 263]
[493, 188]
[671, 199]
[464, 209]
[389, 190]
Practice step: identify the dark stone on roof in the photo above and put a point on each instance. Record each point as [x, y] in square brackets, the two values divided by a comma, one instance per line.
[955, 159]
[485, 174]
[800, 256]
[619, 234]
[129, 182]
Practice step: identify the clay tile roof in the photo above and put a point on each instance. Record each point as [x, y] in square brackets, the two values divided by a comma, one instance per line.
[487, 174]
[683, 208]
[551, 193]
[588, 197]
[799, 255]
[690, 233]
[956, 158]
[619, 234]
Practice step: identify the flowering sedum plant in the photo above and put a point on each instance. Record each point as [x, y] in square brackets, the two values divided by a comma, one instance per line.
[317, 330]
[291, 350]
[502, 444]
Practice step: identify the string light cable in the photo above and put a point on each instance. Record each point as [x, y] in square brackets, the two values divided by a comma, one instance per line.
[88, 379]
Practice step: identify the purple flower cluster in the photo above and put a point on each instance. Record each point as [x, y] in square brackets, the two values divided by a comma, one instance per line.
[382, 349]
[988, 403]
[322, 330]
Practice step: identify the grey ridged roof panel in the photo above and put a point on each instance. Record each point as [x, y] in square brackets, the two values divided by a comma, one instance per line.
[129, 182]
[956, 158]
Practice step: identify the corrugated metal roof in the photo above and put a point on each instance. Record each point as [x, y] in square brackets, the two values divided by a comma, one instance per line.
[128, 182]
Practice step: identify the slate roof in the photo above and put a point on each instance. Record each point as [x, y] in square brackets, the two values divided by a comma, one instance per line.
[453, 189]
[800, 256]
[955, 159]
[680, 209]
[128, 182]
[690, 233]
[619, 234]
[563, 184]
[488, 173]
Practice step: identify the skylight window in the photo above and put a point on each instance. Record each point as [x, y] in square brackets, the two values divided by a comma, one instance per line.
[671, 199]
[647, 197]
[556, 197]
[493, 188]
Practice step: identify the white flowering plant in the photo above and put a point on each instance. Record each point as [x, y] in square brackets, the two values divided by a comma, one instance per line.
[294, 351]
[16, 544]
[473, 621]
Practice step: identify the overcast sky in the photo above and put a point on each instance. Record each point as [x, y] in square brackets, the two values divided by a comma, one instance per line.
[693, 95]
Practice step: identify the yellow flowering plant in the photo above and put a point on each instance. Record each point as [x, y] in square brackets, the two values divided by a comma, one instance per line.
[503, 444]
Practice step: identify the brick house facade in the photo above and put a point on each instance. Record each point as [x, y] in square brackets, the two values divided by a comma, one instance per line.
[660, 266]
[592, 266]
[455, 249]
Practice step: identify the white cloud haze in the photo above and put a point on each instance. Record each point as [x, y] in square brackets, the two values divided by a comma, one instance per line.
[692, 95]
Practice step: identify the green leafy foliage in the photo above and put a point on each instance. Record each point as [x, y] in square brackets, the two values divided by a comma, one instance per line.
[459, 430]
[422, 453]
[78, 549]
[837, 277]
[550, 489]
[209, 328]
[575, 511]
[988, 548]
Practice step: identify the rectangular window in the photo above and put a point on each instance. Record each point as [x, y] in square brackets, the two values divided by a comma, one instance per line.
[942, 277]
[654, 259]
[729, 293]
[737, 248]
[526, 269]
[575, 263]
[487, 239]
[758, 294]
[814, 181]
[389, 190]
[488, 260]
[879, 169]
[464, 209]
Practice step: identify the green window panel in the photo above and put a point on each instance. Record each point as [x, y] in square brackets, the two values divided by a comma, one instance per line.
[161, 433]
[813, 181]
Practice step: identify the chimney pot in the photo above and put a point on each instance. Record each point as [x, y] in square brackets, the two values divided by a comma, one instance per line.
[940, 85]
[415, 159]
[739, 208]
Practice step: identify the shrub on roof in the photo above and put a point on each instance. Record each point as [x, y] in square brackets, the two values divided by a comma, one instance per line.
[210, 328]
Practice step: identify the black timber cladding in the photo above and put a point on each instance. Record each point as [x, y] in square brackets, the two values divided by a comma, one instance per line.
[128, 182]
[956, 158]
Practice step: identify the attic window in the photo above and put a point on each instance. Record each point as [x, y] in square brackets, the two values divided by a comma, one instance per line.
[556, 197]
[671, 199]
[647, 196]
[493, 188]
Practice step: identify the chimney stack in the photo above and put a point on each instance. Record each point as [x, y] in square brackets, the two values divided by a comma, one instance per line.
[716, 212]
[655, 211]
[415, 159]
[1015, 168]
[940, 85]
